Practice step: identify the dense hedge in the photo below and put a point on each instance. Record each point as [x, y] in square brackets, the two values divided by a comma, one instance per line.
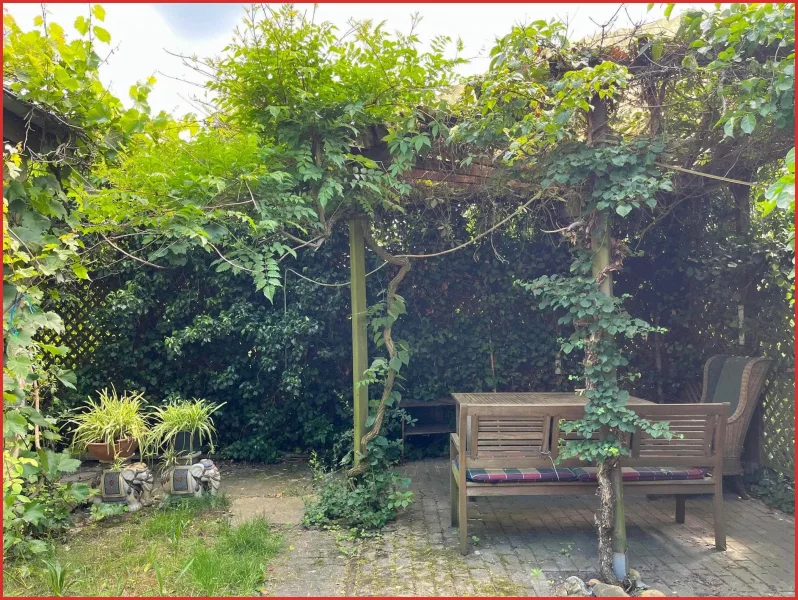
[284, 370]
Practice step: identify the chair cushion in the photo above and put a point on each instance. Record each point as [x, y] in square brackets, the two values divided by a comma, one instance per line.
[713, 368]
[727, 389]
[646, 473]
[582, 474]
[510, 474]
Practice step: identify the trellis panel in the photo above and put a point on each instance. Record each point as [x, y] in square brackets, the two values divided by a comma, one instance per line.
[83, 334]
[778, 425]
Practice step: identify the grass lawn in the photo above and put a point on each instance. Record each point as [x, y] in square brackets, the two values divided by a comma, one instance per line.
[187, 548]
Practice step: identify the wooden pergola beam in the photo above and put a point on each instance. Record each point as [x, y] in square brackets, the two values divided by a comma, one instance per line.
[357, 263]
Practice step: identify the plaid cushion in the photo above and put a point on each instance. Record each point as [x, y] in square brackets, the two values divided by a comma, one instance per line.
[583, 474]
[510, 474]
[646, 473]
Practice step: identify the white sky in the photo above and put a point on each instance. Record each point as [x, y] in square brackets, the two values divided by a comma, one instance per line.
[142, 33]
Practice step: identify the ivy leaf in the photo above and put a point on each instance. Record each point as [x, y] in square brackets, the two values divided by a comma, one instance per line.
[37, 546]
[623, 209]
[728, 128]
[689, 62]
[656, 50]
[56, 463]
[79, 491]
[34, 416]
[9, 295]
[748, 123]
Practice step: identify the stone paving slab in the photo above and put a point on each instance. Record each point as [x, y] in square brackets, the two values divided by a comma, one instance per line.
[277, 511]
[526, 546]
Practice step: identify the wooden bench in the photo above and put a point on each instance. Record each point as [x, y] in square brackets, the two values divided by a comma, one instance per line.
[518, 445]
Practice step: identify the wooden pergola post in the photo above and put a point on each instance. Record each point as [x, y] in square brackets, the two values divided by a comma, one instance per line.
[357, 264]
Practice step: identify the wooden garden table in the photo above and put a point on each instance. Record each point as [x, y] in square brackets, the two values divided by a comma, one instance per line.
[527, 398]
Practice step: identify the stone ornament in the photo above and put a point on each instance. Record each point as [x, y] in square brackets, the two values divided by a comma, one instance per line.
[202, 477]
[132, 485]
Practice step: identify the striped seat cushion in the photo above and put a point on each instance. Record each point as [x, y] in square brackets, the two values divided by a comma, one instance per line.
[646, 473]
[510, 474]
[582, 474]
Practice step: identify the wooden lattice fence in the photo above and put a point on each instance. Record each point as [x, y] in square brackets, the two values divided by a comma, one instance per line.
[777, 448]
[83, 333]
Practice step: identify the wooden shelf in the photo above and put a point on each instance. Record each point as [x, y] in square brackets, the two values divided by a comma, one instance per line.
[429, 429]
[448, 401]
[433, 417]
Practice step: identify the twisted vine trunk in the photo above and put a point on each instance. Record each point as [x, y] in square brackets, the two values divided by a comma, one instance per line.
[606, 491]
[610, 517]
[605, 519]
[404, 267]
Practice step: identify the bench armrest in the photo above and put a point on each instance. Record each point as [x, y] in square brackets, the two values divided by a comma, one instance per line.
[455, 441]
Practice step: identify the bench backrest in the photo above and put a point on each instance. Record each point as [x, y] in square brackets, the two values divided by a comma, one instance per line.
[529, 436]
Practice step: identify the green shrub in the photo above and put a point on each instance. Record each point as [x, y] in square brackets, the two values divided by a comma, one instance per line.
[257, 448]
[775, 490]
[37, 506]
[364, 503]
[284, 371]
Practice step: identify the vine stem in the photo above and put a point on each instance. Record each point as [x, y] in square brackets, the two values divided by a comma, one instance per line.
[403, 262]
[404, 267]
[36, 435]
[480, 236]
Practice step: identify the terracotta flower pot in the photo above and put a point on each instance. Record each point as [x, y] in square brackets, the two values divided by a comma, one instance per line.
[107, 453]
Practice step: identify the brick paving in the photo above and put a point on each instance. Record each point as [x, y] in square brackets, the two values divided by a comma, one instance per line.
[527, 546]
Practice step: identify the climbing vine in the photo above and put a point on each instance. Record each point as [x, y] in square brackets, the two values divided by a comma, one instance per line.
[588, 119]
[597, 319]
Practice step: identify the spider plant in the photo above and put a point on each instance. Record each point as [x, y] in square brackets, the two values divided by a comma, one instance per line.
[192, 417]
[110, 420]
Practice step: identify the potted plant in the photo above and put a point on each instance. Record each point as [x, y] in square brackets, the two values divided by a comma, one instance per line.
[113, 428]
[182, 427]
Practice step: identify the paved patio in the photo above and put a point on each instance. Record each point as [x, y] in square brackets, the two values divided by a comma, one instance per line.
[525, 546]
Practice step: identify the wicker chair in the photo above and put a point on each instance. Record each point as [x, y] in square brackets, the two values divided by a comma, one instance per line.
[738, 381]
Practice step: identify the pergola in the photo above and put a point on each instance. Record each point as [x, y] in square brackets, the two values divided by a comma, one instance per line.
[445, 169]
[440, 170]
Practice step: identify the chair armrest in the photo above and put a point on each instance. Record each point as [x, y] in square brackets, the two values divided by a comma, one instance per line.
[455, 440]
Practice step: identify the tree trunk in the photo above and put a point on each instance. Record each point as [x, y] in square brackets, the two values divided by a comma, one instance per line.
[619, 563]
[605, 519]
[742, 205]
[658, 357]
[610, 518]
